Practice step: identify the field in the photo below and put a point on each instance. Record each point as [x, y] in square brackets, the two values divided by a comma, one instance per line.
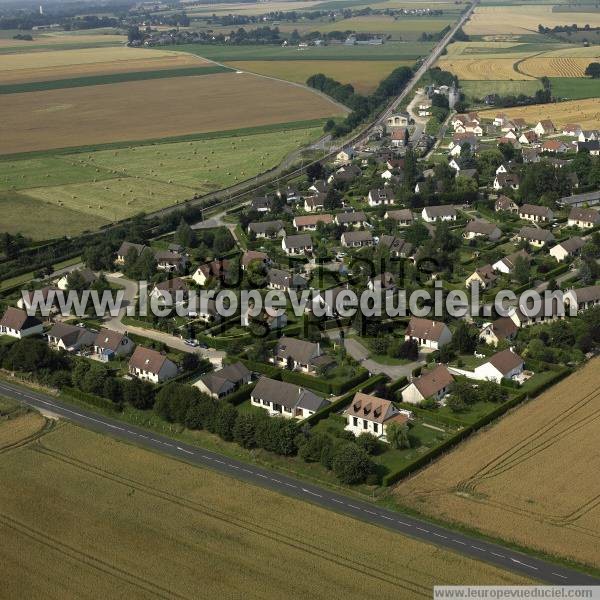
[85, 516]
[575, 89]
[152, 109]
[482, 69]
[569, 62]
[586, 112]
[363, 75]
[530, 479]
[70, 193]
[479, 89]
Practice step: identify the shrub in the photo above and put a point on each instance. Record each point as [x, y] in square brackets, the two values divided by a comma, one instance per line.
[351, 464]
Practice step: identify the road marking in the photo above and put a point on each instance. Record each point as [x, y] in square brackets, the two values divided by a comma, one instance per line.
[369, 511]
[219, 461]
[459, 542]
[386, 517]
[478, 548]
[439, 535]
[184, 450]
[290, 485]
[311, 493]
[524, 564]
[496, 554]
[338, 501]
[352, 506]
[421, 529]
[246, 470]
[403, 523]
[559, 575]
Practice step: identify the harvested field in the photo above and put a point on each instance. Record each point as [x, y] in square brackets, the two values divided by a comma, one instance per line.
[50, 40]
[363, 75]
[555, 67]
[116, 521]
[17, 430]
[585, 112]
[479, 69]
[152, 109]
[530, 479]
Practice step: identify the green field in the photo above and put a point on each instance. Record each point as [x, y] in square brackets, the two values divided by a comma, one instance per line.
[479, 89]
[37, 86]
[65, 194]
[575, 88]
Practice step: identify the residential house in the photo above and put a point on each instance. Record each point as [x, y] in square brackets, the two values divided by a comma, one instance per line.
[531, 155]
[384, 281]
[297, 244]
[150, 365]
[527, 137]
[434, 384]
[380, 197]
[398, 246]
[206, 311]
[70, 338]
[262, 204]
[356, 239]
[544, 127]
[296, 354]
[484, 276]
[310, 222]
[251, 256]
[125, 249]
[217, 269]
[343, 157]
[536, 213]
[269, 318]
[588, 135]
[285, 399]
[535, 236]
[506, 265]
[278, 279]
[500, 120]
[431, 214]
[314, 203]
[479, 228]
[86, 275]
[47, 296]
[398, 137]
[325, 302]
[402, 217]
[554, 146]
[219, 384]
[580, 200]
[170, 262]
[428, 334]
[506, 364]
[453, 164]
[572, 129]
[524, 316]
[345, 174]
[18, 324]
[582, 298]
[567, 249]
[370, 414]
[109, 343]
[351, 219]
[319, 186]
[502, 329]
[267, 229]
[504, 203]
[585, 218]
[593, 147]
[171, 290]
[507, 180]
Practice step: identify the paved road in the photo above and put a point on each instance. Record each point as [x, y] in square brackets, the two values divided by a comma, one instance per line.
[365, 511]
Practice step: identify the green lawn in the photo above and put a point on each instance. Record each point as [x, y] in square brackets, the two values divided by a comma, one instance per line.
[479, 89]
[575, 88]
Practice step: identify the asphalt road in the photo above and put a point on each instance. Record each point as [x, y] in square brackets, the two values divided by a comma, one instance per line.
[416, 528]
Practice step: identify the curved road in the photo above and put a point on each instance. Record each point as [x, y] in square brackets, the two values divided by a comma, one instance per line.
[420, 529]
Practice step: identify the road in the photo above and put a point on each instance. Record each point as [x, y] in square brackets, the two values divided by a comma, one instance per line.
[420, 529]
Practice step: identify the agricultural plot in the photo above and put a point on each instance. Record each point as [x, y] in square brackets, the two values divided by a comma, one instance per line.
[479, 89]
[153, 109]
[574, 89]
[530, 479]
[62, 39]
[124, 522]
[568, 62]
[483, 69]
[586, 112]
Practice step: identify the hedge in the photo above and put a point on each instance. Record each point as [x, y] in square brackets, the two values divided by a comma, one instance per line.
[268, 370]
[396, 385]
[241, 395]
[91, 399]
[309, 381]
[344, 386]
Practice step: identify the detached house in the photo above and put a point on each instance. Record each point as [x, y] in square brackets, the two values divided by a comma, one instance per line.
[535, 236]
[369, 414]
[380, 197]
[499, 330]
[314, 203]
[484, 276]
[278, 279]
[297, 244]
[434, 384]
[283, 399]
[70, 338]
[356, 239]
[506, 180]
[216, 268]
[554, 146]
[402, 217]
[431, 214]
[428, 334]
[567, 249]
[150, 365]
[267, 229]
[261, 204]
[535, 213]
[169, 261]
[479, 228]
[251, 256]
[545, 127]
[586, 218]
[504, 203]
[300, 355]
[506, 265]
[171, 290]
[109, 343]
[224, 381]
[125, 249]
[310, 222]
[582, 298]
[398, 246]
[18, 324]
[502, 365]
[351, 219]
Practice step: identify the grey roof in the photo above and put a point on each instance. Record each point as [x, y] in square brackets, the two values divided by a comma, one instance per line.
[300, 350]
[403, 214]
[579, 199]
[351, 217]
[286, 279]
[266, 226]
[588, 294]
[584, 214]
[234, 374]
[70, 334]
[301, 240]
[535, 209]
[288, 395]
[440, 211]
[572, 244]
[479, 226]
[126, 246]
[357, 236]
[535, 233]
[395, 244]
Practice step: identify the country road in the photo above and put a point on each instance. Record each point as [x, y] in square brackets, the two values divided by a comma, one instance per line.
[420, 529]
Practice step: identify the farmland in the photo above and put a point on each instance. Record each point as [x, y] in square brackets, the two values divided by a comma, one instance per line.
[482, 69]
[478, 89]
[70, 193]
[170, 107]
[184, 521]
[530, 479]
[586, 112]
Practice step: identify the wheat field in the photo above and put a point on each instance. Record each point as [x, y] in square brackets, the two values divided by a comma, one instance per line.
[530, 479]
[478, 69]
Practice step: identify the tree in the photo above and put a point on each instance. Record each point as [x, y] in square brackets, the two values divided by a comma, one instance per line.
[521, 270]
[244, 430]
[465, 338]
[368, 442]
[351, 464]
[593, 70]
[225, 420]
[184, 235]
[490, 391]
[397, 436]
[312, 449]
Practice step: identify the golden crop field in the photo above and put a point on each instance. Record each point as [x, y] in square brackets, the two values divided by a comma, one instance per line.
[152, 109]
[530, 479]
[509, 19]
[540, 66]
[363, 75]
[477, 69]
[84, 516]
[48, 39]
[18, 430]
[584, 112]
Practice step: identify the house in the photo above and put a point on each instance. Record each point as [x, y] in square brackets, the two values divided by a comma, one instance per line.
[572, 129]
[325, 302]
[398, 246]
[579, 200]
[428, 333]
[588, 135]
[480, 228]
[170, 290]
[310, 222]
[86, 275]
[527, 137]
[262, 204]
[484, 276]
[398, 120]
[525, 318]
[585, 218]
[369, 414]
[125, 249]
[535, 213]
[431, 214]
[297, 244]
[285, 399]
[500, 120]
[582, 298]
[380, 197]
[506, 364]
[554, 146]
[296, 354]
[319, 186]
[398, 137]
[434, 384]
[567, 249]
[224, 381]
[70, 338]
[531, 155]
[216, 268]
[343, 157]
[504, 203]
[351, 219]
[535, 236]
[506, 265]
[402, 217]
[383, 281]
[269, 318]
[291, 194]
[592, 147]
[314, 203]
[151, 365]
[251, 256]
[18, 324]
[453, 164]
[206, 311]
[506, 180]
[457, 148]
[267, 229]
[424, 110]
[278, 279]
[499, 330]
[345, 174]
[356, 239]
[170, 262]
[46, 295]
[544, 127]
[109, 343]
